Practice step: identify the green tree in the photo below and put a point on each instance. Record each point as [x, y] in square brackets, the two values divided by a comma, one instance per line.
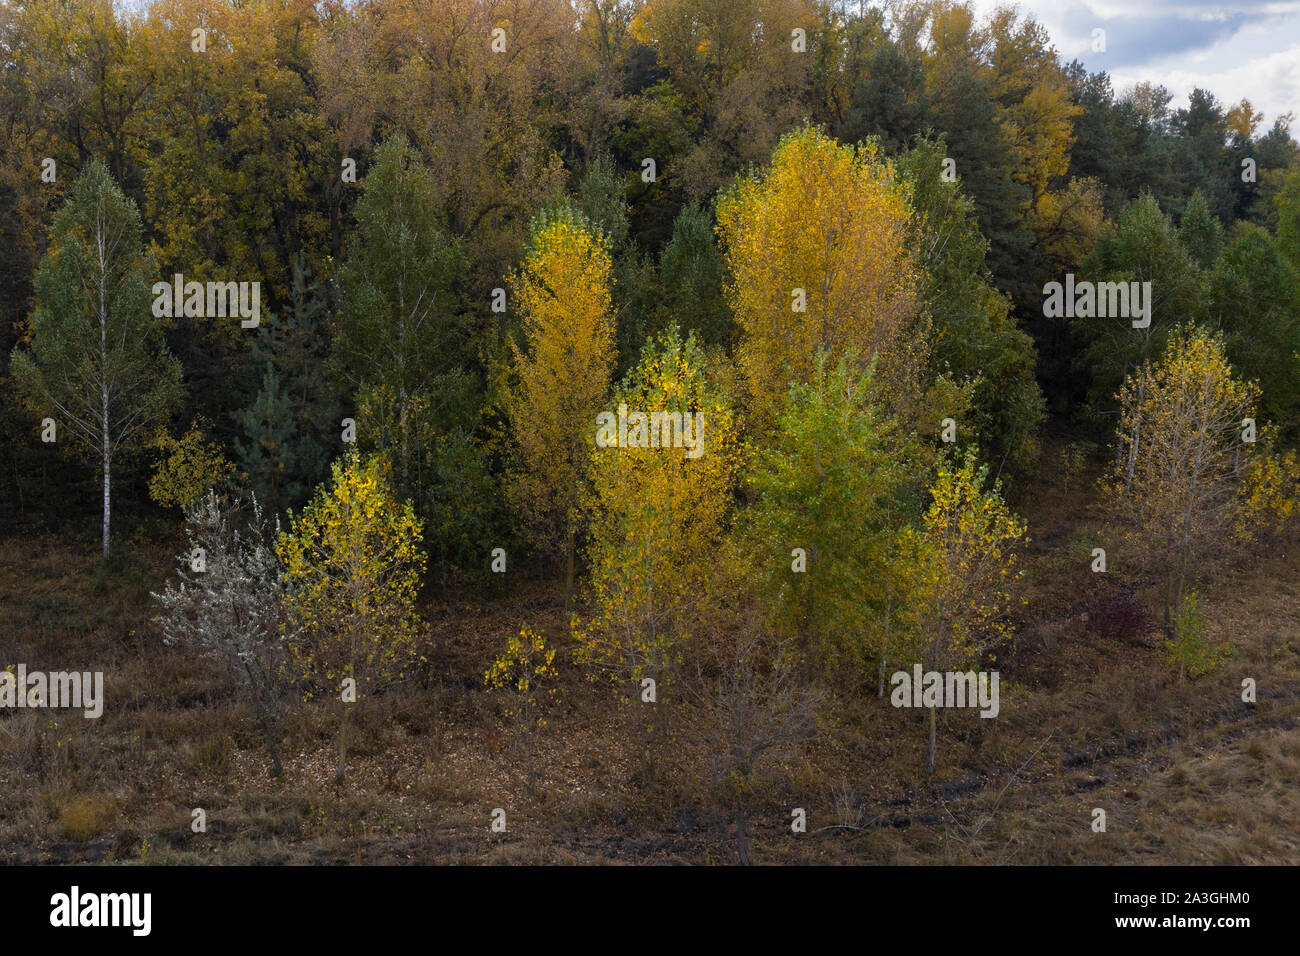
[690, 275]
[269, 457]
[1255, 300]
[830, 491]
[1142, 247]
[1200, 232]
[292, 423]
[1287, 203]
[399, 332]
[976, 339]
[98, 364]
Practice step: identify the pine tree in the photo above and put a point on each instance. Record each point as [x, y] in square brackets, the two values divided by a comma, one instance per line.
[289, 424]
[1200, 232]
[269, 456]
[691, 279]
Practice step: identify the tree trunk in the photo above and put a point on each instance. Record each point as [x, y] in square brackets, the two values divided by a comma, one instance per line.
[1137, 434]
[742, 846]
[929, 756]
[263, 716]
[342, 766]
[108, 495]
[568, 565]
[269, 737]
[104, 435]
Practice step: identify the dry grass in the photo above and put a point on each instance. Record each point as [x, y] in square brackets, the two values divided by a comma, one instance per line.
[1186, 773]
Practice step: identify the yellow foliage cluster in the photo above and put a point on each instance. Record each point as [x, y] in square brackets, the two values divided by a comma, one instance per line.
[188, 467]
[563, 292]
[353, 565]
[656, 518]
[1271, 493]
[966, 563]
[835, 222]
[524, 668]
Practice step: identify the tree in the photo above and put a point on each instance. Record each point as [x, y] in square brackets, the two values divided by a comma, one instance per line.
[962, 94]
[353, 563]
[818, 248]
[1287, 203]
[483, 120]
[657, 510]
[1175, 487]
[1203, 159]
[231, 147]
[832, 484]
[562, 372]
[976, 339]
[737, 75]
[1200, 232]
[293, 420]
[1143, 246]
[966, 559]
[269, 457]
[1254, 298]
[188, 466]
[690, 274]
[227, 604]
[757, 713]
[602, 200]
[97, 359]
[525, 672]
[398, 330]
[352, 566]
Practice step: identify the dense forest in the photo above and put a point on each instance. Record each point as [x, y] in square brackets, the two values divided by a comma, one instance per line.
[393, 379]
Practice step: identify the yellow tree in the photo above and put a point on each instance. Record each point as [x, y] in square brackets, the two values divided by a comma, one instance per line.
[962, 566]
[658, 507]
[230, 143]
[1271, 494]
[187, 467]
[562, 370]
[1029, 84]
[818, 250]
[353, 565]
[1176, 488]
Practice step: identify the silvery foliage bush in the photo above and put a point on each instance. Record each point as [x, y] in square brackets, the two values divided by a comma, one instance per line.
[226, 602]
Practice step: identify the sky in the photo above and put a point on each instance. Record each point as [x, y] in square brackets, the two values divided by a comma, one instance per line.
[1248, 48]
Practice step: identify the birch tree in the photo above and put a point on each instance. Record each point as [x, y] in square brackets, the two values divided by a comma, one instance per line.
[97, 363]
[1177, 486]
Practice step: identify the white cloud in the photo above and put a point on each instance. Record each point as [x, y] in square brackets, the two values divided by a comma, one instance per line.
[1249, 49]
